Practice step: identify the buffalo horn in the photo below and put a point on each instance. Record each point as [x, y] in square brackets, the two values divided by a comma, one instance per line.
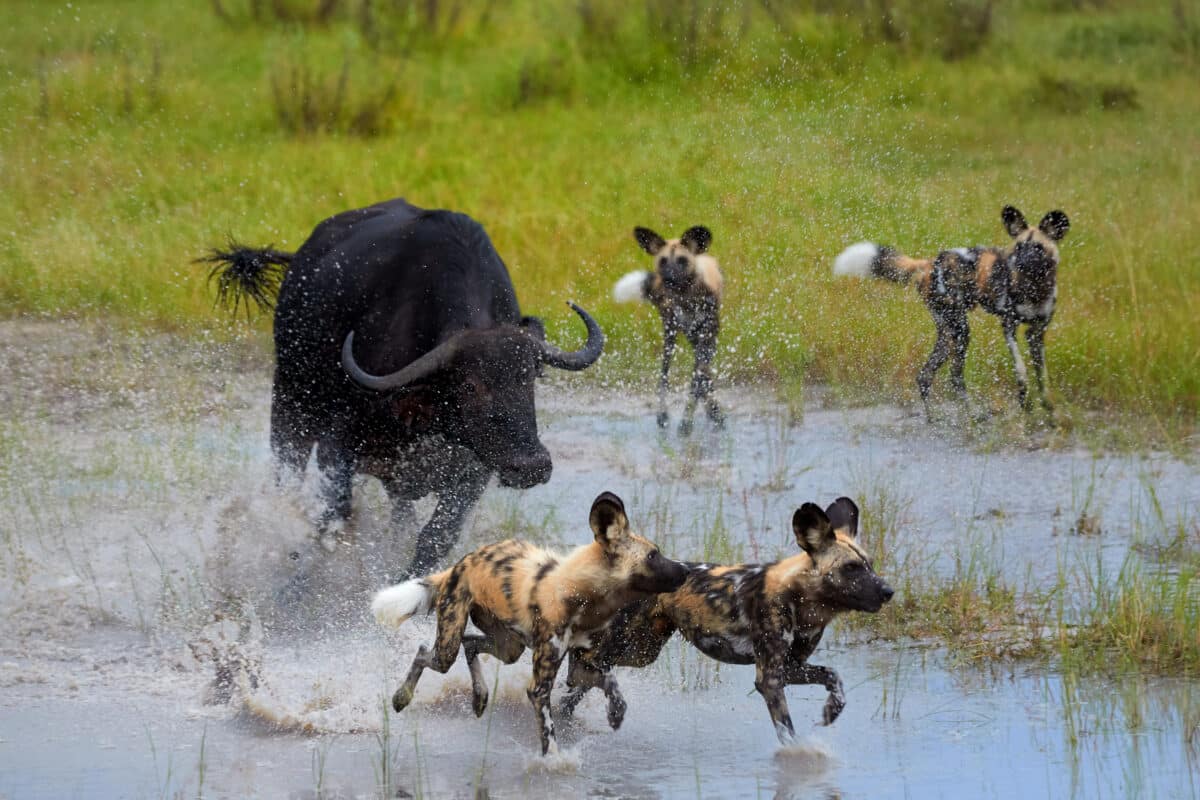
[582, 358]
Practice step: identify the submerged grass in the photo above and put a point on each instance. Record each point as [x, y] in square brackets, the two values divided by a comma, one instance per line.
[135, 139]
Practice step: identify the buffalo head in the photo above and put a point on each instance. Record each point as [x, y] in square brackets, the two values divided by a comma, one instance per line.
[483, 380]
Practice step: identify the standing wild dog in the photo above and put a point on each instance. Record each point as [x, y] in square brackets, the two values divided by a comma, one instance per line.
[522, 596]
[1016, 284]
[685, 287]
[769, 615]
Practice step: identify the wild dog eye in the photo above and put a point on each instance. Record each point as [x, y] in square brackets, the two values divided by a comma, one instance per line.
[682, 261]
[662, 262]
[854, 566]
[652, 557]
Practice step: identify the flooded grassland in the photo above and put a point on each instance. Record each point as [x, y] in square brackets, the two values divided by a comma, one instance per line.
[1039, 641]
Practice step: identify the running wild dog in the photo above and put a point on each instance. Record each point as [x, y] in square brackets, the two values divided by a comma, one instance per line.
[519, 596]
[685, 287]
[1017, 284]
[769, 615]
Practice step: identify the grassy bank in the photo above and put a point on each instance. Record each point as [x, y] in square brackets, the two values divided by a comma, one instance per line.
[134, 136]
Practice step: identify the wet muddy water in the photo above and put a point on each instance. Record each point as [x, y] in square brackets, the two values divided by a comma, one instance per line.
[138, 502]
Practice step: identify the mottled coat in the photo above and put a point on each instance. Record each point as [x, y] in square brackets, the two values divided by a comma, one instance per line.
[685, 287]
[1018, 284]
[520, 595]
[770, 615]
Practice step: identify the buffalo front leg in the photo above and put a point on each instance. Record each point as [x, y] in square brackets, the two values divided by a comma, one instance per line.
[796, 674]
[668, 353]
[337, 473]
[546, 660]
[441, 532]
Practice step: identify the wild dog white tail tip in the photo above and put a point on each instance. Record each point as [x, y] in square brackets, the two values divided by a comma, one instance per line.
[629, 288]
[394, 605]
[856, 260]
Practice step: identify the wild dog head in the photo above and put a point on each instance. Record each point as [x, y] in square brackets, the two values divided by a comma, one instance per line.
[1035, 250]
[675, 260]
[630, 556]
[846, 580]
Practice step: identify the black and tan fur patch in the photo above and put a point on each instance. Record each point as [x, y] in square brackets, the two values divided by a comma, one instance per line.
[770, 615]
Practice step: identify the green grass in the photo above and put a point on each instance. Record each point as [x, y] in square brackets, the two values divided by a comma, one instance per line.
[132, 137]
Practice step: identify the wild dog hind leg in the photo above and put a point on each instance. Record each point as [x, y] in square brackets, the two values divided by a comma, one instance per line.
[500, 644]
[452, 620]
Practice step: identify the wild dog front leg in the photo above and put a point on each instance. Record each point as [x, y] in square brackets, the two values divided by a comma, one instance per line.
[769, 681]
[802, 673]
[546, 659]
[1035, 334]
[668, 353]
[1010, 338]
[582, 676]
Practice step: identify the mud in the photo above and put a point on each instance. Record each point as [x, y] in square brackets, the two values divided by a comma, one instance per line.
[152, 570]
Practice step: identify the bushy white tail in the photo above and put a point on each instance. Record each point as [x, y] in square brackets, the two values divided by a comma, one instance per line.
[856, 260]
[629, 288]
[394, 605]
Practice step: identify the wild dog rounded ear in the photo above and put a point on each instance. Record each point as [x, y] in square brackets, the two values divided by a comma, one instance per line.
[812, 529]
[535, 327]
[843, 515]
[650, 241]
[697, 239]
[1055, 225]
[1014, 221]
[608, 517]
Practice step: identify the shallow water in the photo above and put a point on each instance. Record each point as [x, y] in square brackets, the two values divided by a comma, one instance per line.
[138, 501]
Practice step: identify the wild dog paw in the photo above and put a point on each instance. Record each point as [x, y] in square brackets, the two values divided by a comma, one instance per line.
[834, 704]
[479, 702]
[685, 428]
[663, 419]
[402, 698]
[616, 711]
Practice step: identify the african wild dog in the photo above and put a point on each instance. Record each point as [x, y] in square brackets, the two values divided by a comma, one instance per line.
[685, 287]
[521, 596]
[1016, 284]
[769, 615]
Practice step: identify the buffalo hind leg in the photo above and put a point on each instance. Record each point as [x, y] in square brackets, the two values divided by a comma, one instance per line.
[797, 674]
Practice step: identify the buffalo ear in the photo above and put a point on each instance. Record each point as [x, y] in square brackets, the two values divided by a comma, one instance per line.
[535, 327]
[1055, 225]
[608, 518]
[843, 515]
[650, 241]
[812, 529]
[696, 239]
[1014, 221]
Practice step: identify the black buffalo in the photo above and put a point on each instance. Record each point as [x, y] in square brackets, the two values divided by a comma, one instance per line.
[401, 353]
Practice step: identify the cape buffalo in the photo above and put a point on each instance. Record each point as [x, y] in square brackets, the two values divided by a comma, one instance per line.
[400, 352]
